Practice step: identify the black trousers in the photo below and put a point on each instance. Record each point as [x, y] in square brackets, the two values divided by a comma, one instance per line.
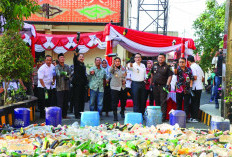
[78, 99]
[36, 94]
[62, 101]
[35, 91]
[42, 102]
[54, 97]
[151, 97]
[179, 99]
[138, 96]
[116, 96]
[28, 85]
[195, 103]
[107, 107]
[160, 97]
[71, 99]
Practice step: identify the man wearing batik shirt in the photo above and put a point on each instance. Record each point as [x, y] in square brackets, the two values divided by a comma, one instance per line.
[183, 85]
[62, 84]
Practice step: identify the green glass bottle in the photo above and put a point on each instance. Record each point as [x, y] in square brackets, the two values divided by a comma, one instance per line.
[46, 94]
[14, 154]
[110, 127]
[67, 155]
[131, 145]
[124, 127]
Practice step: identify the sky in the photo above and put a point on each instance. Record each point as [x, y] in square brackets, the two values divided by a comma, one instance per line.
[181, 15]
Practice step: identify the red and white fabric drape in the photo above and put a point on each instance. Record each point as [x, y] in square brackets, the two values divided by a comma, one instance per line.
[64, 43]
[147, 44]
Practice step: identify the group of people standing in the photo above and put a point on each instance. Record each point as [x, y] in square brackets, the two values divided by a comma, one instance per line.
[109, 84]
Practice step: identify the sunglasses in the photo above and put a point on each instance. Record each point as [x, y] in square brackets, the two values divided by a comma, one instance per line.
[181, 62]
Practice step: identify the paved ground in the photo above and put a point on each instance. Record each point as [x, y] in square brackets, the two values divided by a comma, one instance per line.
[209, 107]
[104, 119]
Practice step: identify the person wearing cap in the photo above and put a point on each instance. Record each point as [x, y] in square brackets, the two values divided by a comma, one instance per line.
[62, 84]
[45, 82]
[161, 76]
[197, 87]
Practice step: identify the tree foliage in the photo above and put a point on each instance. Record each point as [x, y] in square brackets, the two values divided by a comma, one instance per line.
[209, 27]
[16, 61]
[15, 11]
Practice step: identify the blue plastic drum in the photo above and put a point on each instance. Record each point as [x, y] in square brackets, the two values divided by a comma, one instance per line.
[133, 118]
[153, 115]
[21, 117]
[223, 126]
[179, 117]
[90, 118]
[53, 116]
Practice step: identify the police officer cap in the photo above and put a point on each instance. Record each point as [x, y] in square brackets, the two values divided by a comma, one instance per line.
[162, 54]
[190, 58]
[61, 54]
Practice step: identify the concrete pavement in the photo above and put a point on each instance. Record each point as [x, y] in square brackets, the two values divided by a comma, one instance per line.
[109, 119]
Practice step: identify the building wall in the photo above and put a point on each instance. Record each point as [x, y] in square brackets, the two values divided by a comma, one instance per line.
[72, 29]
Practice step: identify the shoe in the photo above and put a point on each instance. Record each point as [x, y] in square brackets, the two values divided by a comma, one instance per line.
[77, 117]
[122, 114]
[115, 116]
[194, 121]
[189, 120]
[210, 101]
[164, 120]
[65, 117]
[42, 116]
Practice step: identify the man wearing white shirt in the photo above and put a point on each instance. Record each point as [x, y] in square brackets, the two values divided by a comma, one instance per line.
[138, 73]
[45, 82]
[197, 87]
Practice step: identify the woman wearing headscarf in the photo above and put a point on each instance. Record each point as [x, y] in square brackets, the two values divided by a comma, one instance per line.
[149, 91]
[107, 94]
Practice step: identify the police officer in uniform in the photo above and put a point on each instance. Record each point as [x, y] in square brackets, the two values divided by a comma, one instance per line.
[161, 76]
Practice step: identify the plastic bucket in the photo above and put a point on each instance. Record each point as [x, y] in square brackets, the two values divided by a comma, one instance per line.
[53, 116]
[179, 117]
[133, 118]
[90, 118]
[153, 115]
[223, 126]
[21, 117]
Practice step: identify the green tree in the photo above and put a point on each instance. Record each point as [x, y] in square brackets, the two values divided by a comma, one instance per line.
[16, 61]
[15, 11]
[209, 27]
